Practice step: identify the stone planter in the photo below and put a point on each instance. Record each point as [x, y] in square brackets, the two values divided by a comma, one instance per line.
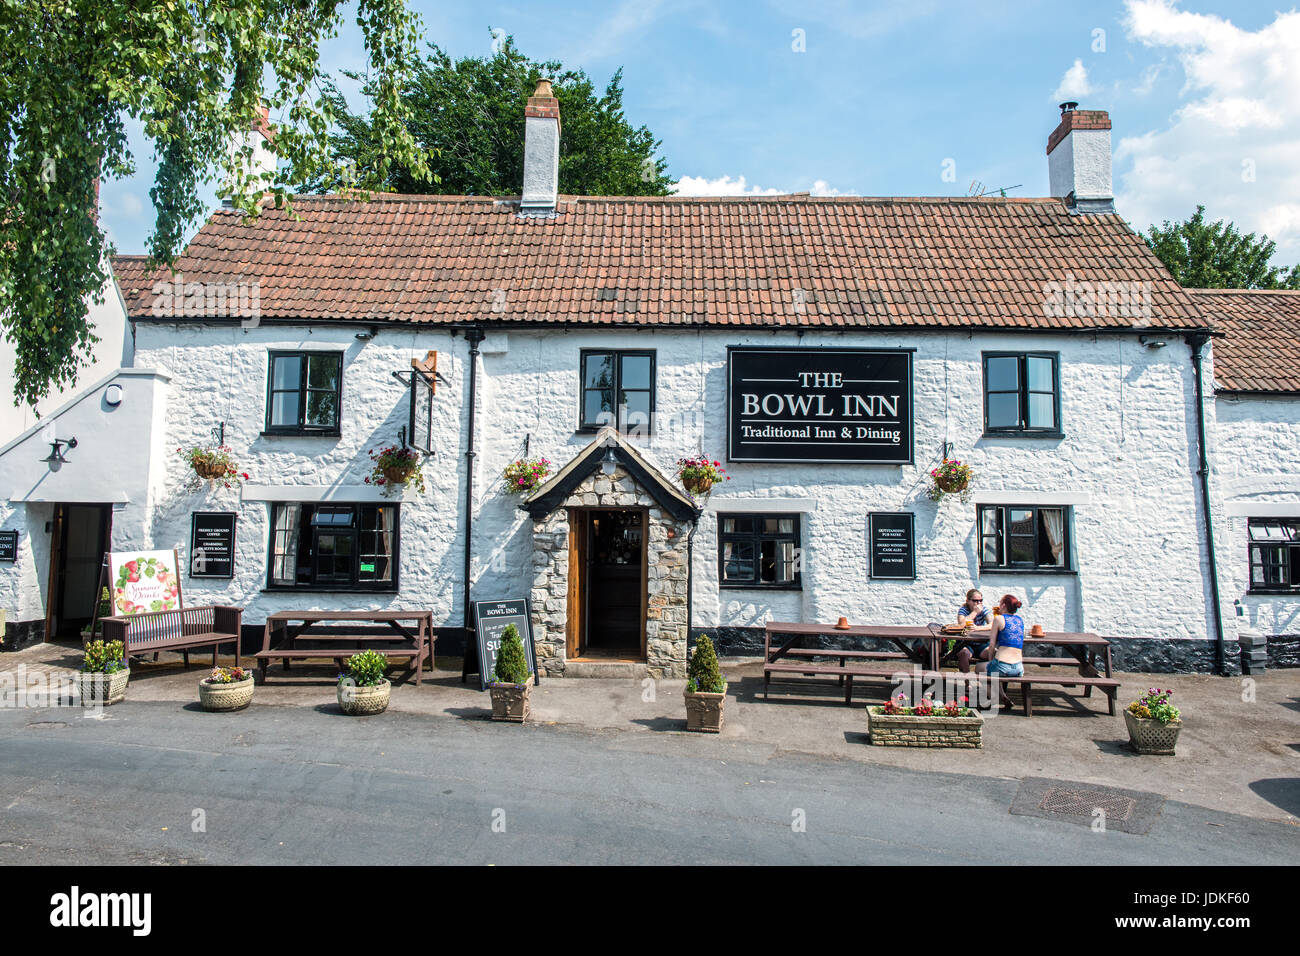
[510, 701]
[358, 701]
[233, 696]
[704, 711]
[97, 688]
[1147, 735]
[697, 486]
[899, 730]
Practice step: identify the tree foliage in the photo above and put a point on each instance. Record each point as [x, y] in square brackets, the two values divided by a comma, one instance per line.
[702, 673]
[468, 117]
[194, 75]
[511, 666]
[1203, 255]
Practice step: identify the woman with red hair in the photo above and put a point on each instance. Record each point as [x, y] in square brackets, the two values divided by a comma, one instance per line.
[1008, 643]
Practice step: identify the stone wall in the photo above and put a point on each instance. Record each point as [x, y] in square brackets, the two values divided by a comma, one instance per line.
[901, 730]
[665, 575]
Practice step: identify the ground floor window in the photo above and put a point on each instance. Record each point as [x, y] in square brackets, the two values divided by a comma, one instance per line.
[328, 547]
[1274, 554]
[758, 551]
[1024, 537]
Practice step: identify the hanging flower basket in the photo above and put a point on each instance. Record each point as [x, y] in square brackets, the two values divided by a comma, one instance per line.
[952, 477]
[214, 464]
[395, 469]
[524, 475]
[699, 474]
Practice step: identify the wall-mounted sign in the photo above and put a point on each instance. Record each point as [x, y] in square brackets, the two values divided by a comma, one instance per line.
[144, 581]
[820, 405]
[490, 619]
[893, 545]
[9, 546]
[212, 544]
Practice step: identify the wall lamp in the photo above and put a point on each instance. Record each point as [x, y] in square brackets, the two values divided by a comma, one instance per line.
[609, 462]
[1151, 341]
[55, 458]
[368, 335]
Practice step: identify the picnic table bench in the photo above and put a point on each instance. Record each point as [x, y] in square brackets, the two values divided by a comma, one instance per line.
[182, 629]
[346, 638]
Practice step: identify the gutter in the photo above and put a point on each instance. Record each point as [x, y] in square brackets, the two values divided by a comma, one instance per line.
[1196, 342]
[473, 336]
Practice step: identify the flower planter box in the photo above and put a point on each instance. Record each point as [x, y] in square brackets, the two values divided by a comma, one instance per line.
[1147, 735]
[899, 730]
[97, 688]
[225, 697]
[510, 701]
[704, 711]
[358, 701]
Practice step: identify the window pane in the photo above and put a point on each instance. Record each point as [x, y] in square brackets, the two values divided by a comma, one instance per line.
[637, 413]
[737, 525]
[989, 520]
[323, 372]
[636, 371]
[286, 372]
[1021, 521]
[322, 409]
[737, 561]
[599, 409]
[1021, 550]
[1040, 375]
[284, 409]
[284, 544]
[1004, 410]
[1004, 374]
[599, 371]
[1042, 411]
[989, 554]
[1051, 537]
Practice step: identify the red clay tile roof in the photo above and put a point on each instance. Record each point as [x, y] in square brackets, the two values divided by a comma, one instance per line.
[1260, 350]
[130, 275]
[773, 261]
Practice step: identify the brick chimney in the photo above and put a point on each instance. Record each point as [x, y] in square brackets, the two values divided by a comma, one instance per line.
[256, 148]
[1078, 160]
[541, 152]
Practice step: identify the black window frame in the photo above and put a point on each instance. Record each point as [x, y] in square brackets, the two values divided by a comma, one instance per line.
[301, 427]
[755, 537]
[586, 427]
[1023, 391]
[1288, 557]
[355, 529]
[1000, 536]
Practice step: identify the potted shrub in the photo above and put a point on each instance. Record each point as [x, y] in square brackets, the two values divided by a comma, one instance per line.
[1153, 723]
[396, 468]
[104, 673]
[363, 689]
[214, 464]
[525, 474]
[511, 680]
[699, 474]
[706, 691]
[930, 723]
[952, 477]
[226, 689]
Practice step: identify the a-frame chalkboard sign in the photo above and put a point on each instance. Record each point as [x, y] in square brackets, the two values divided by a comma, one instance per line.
[490, 619]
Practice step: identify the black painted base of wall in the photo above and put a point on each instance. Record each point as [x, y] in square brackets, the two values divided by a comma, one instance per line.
[22, 634]
[1138, 654]
[448, 641]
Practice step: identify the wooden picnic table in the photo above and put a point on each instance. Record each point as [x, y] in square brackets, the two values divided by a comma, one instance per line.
[292, 625]
[912, 643]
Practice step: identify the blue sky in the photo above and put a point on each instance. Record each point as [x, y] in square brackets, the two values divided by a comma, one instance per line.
[1202, 95]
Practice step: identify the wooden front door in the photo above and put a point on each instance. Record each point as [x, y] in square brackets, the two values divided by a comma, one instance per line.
[79, 539]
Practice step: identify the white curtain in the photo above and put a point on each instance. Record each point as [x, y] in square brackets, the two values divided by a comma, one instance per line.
[1054, 526]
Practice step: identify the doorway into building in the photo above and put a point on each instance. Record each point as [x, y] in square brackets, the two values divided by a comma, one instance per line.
[610, 564]
[78, 539]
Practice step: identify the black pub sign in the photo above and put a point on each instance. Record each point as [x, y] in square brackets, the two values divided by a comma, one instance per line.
[212, 544]
[893, 545]
[850, 406]
[9, 546]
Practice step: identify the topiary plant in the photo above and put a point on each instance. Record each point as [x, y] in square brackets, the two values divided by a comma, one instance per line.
[104, 657]
[367, 668]
[512, 665]
[702, 672]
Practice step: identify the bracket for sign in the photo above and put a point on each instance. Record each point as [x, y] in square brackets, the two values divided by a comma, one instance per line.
[219, 434]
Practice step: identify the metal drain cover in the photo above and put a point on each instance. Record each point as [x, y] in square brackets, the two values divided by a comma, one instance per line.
[1110, 808]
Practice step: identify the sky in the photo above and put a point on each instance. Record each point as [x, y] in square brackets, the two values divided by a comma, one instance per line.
[910, 98]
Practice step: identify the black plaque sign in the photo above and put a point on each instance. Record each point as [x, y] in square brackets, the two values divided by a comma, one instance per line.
[490, 619]
[893, 545]
[847, 406]
[9, 546]
[212, 544]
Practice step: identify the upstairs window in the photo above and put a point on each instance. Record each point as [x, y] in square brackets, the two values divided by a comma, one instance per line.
[758, 550]
[304, 393]
[333, 547]
[1022, 393]
[1274, 554]
[617, 390]
[1024, 538]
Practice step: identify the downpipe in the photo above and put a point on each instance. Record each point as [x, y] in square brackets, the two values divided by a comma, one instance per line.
[1196, 342]
[473, 336]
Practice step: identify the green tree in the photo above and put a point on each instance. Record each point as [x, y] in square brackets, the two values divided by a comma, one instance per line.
[1203, 255]
[468, 117]
[194, 74]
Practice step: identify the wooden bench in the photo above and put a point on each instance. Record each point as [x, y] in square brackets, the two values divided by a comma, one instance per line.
[844, 672]
[181, 630]
[415, 648]
[1108, 685]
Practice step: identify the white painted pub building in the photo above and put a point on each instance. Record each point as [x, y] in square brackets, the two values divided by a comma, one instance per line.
[826, 352]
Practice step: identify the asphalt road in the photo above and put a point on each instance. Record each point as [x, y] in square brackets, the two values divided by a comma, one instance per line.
[293, 785]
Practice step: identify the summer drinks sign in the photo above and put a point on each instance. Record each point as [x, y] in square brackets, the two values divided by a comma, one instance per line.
[144, 581]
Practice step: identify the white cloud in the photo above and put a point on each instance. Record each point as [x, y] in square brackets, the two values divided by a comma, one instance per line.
[1074, 84]
[726, 186]
[1231, 145]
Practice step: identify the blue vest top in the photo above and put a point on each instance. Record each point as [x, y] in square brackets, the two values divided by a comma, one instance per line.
[1013, 631]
